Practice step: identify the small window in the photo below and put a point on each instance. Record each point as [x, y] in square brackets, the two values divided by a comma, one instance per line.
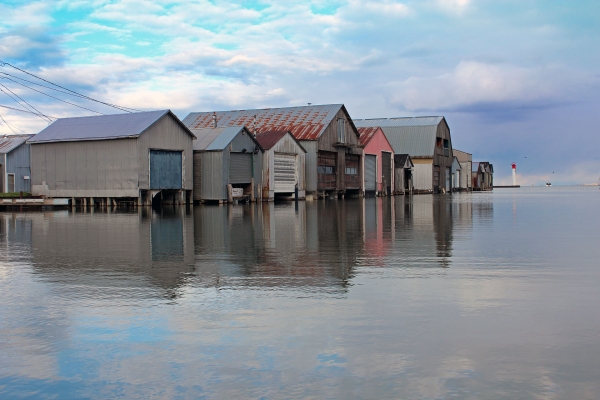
[438, 142]
[351, 171]
[322, 169]
[446, 143]
[341, 130]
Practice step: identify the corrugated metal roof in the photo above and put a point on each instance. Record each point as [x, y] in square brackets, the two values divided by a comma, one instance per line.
[270, 138]
[366, 134]
[10, 142]
[400, 121]
[215, 138]
[414, 135]
[100, 127]
[305, 122]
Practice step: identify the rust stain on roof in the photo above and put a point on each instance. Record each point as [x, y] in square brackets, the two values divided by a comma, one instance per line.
[366, 134]
[305, 123]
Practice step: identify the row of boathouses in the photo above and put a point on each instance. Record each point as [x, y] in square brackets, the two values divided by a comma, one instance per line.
[307, 152]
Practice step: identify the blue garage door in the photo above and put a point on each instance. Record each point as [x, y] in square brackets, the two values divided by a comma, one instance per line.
[165, 169]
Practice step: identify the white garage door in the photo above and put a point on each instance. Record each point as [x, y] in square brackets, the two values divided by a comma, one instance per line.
[285, 173]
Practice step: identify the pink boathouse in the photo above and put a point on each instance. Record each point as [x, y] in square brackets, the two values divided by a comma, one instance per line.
[379, 161]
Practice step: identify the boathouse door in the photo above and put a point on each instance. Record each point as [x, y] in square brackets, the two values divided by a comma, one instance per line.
[386, 170]
[370, 172]
[166, 169]
[284, 173]
[240, 168]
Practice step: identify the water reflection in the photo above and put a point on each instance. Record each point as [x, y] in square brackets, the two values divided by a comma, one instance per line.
[405, 297]
[317, 244]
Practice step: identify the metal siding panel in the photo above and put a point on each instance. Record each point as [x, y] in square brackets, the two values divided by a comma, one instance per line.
[165, 169]
[165, 134]
[370, 172]
[36, 164]
[51, 167]
[240, 167]
[17, 162]
[197, 176]
[213, 180]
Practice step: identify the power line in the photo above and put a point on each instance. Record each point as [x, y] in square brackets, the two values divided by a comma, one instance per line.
[126, 109]
[38, 84]
[54, 97]
[7, 124]
[25, 111]
[29, 105]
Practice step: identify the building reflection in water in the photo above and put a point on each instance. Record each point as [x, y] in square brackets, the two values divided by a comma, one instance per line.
[317, 244]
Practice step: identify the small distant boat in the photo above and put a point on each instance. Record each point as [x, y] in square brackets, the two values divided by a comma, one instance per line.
[548, 184]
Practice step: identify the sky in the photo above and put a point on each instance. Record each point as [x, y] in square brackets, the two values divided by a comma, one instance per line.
[517, 80]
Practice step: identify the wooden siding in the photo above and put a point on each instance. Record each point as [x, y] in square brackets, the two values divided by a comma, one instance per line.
[310, 164]
[286, 145]
[328, 142]
[352, 162]
[165, 134]
[328, 160]
[441, 159]
[96, 168]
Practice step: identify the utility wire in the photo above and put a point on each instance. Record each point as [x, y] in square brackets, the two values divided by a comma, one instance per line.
[54, 97]
[25, 111]
[7, 124]
[37, 84]
[126, 109]
[29, 105]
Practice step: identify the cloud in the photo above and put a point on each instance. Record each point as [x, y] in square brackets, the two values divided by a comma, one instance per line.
[475, 86]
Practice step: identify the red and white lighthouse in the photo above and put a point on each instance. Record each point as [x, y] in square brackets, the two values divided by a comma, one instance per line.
[514, 173]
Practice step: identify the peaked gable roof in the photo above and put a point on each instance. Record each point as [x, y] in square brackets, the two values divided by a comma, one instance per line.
[366, 134]
[217, 139]
[270, 138]
[102, 127]
[10, 142]
[412, 135]
[304, 122]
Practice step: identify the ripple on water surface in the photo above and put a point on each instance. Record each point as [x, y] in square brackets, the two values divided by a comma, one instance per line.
[483, 295]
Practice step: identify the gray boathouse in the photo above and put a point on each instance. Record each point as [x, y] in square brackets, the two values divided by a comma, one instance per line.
[101, 160]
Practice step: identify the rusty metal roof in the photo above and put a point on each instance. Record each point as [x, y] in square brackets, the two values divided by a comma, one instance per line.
[305, 122]
[10, 142]
[367, 133]
[270, 138]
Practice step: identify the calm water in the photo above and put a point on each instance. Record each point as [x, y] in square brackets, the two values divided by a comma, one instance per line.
[490, 295]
